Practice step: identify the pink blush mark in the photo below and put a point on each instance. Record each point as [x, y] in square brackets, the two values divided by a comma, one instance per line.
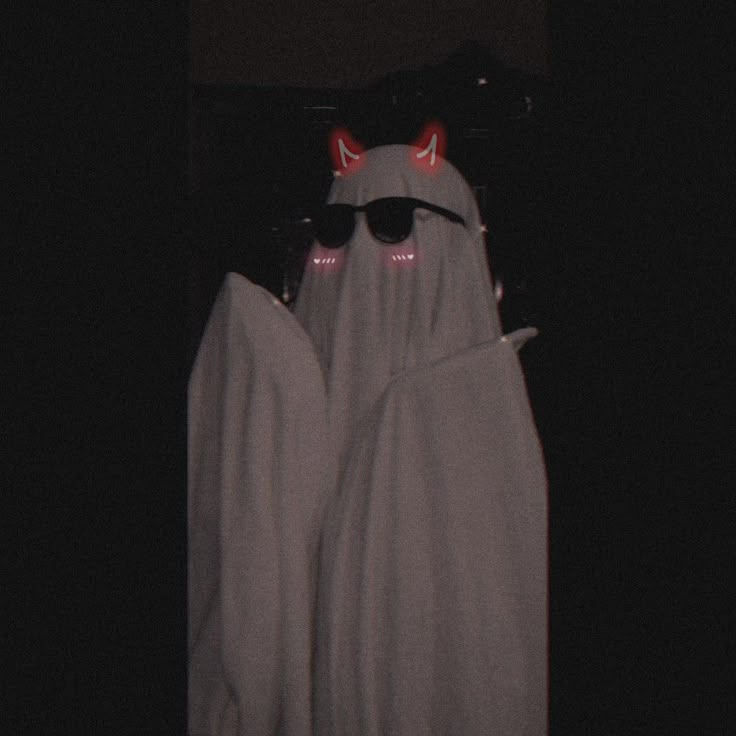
[323, 260]
[400, 257]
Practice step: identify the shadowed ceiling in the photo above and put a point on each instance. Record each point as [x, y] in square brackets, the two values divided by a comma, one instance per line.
[334, 43]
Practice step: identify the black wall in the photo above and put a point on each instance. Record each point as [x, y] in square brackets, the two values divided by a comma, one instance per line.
[640, 473]
[95, 339]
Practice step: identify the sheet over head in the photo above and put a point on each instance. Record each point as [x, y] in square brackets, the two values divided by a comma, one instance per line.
[375, 310]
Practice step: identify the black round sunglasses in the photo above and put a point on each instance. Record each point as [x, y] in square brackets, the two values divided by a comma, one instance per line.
[390, 220]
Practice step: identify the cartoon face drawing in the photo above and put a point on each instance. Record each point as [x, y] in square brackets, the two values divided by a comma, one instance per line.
[390, 220]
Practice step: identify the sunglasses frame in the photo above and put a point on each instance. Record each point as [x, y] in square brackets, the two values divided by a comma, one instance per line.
[412, 202]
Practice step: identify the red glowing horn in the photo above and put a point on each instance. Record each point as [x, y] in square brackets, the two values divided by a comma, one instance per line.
[431, 148]
[432, 140]
[345, 152]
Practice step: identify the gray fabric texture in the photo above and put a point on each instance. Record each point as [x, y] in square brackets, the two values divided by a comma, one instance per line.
[256, 498]
[367, 498]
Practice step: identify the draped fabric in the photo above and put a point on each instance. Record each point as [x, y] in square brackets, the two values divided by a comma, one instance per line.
[368, 504]
[432, 612]
[256, 498]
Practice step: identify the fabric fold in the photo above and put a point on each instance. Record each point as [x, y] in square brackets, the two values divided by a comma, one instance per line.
[433, 597]
[257, 488]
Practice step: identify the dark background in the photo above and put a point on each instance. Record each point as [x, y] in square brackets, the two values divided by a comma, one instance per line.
[350, 44]
[612, 206]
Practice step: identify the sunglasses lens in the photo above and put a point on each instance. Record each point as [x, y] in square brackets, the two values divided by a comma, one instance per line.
[391, 219]
[334, 224]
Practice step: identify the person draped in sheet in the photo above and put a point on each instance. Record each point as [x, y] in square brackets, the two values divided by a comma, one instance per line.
[367, 499]
[431, 615]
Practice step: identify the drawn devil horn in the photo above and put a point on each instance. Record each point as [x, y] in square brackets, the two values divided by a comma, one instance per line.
[432, 142]
[431, 149]
[345, 152]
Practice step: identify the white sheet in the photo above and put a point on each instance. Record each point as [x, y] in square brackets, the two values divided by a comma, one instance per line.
[256, 495]
[396, 412]
[433, 597]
